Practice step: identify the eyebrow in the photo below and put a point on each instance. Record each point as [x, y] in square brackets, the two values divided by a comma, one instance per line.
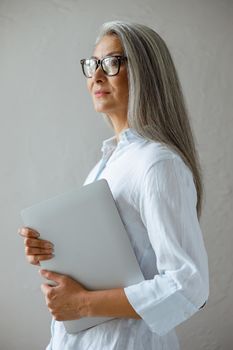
[108, 54]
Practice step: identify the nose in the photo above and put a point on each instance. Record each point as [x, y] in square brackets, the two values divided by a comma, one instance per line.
[99, 75]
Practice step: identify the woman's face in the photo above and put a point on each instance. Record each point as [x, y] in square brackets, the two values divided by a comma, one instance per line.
[114, 99]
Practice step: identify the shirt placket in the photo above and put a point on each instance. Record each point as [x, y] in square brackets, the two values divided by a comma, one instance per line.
[103, 163]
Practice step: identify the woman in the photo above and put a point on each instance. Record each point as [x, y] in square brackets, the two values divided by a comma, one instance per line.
[152, 168]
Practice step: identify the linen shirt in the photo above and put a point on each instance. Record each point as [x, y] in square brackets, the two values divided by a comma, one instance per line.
[156, 198]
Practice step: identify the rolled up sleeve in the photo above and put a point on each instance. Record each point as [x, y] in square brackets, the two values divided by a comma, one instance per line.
[167, 205]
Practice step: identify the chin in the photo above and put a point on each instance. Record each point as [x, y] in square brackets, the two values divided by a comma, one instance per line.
[101, 109]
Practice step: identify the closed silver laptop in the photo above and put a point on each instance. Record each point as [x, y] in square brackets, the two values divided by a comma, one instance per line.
[91, 244]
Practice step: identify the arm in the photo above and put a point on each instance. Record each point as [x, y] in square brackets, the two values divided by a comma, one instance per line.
[167, 205]
[110, 303]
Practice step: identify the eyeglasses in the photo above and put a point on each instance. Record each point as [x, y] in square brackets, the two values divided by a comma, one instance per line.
[109, 64]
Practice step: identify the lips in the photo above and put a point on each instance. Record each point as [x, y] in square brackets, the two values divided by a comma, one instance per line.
[100, 93]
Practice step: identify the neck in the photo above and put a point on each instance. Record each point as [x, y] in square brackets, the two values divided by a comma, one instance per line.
[119, 124]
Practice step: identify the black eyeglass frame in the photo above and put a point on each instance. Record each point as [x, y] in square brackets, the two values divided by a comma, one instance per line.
[99, 62]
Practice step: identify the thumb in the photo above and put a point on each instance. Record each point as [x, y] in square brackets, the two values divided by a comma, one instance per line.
[50, 275]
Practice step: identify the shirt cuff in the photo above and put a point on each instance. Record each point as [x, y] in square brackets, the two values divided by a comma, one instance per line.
[161, 311]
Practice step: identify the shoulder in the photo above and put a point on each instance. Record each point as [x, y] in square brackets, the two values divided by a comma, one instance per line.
[151, 156]
[161, 170]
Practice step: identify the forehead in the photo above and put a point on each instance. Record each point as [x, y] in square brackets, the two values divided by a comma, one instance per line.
[107, 45]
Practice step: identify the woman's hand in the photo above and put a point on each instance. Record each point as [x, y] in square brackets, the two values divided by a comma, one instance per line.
[68, 300]
[36, 249]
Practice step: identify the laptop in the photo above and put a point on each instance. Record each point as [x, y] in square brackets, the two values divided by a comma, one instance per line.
[91, 244]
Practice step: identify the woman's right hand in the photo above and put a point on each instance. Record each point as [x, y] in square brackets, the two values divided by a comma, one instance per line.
[36, 249]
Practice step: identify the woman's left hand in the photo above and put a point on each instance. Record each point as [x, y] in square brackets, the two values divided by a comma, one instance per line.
[68, 300]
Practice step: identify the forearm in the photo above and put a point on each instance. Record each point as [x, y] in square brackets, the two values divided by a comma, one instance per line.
[110, 303]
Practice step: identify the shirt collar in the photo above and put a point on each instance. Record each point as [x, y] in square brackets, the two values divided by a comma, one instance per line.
[126, 136]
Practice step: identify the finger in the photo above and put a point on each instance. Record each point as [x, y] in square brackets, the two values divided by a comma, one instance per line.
[38, 251]
[37, 243]
[35, 259]
[28, 232]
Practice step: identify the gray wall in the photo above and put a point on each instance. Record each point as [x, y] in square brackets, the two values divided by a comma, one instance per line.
[50, 137]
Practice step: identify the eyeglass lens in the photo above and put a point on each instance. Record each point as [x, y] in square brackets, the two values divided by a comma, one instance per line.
[110, 66]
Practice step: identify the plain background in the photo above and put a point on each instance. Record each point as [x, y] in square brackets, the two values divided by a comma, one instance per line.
[50, 138]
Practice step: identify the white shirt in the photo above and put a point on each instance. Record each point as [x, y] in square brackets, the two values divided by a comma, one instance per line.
[156, 198]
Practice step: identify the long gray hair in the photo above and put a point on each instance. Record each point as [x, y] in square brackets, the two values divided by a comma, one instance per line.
[156, 106]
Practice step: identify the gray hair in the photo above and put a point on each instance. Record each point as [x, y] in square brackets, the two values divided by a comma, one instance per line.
[156, 105]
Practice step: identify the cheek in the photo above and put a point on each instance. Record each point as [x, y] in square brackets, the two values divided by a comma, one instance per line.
[121, 86]
[124, 88]
[124, 82]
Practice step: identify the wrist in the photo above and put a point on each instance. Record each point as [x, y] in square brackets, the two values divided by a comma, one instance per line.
[90, 303]
[85, 310]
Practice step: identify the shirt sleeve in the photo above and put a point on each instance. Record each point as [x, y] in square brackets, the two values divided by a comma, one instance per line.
[167, 205]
